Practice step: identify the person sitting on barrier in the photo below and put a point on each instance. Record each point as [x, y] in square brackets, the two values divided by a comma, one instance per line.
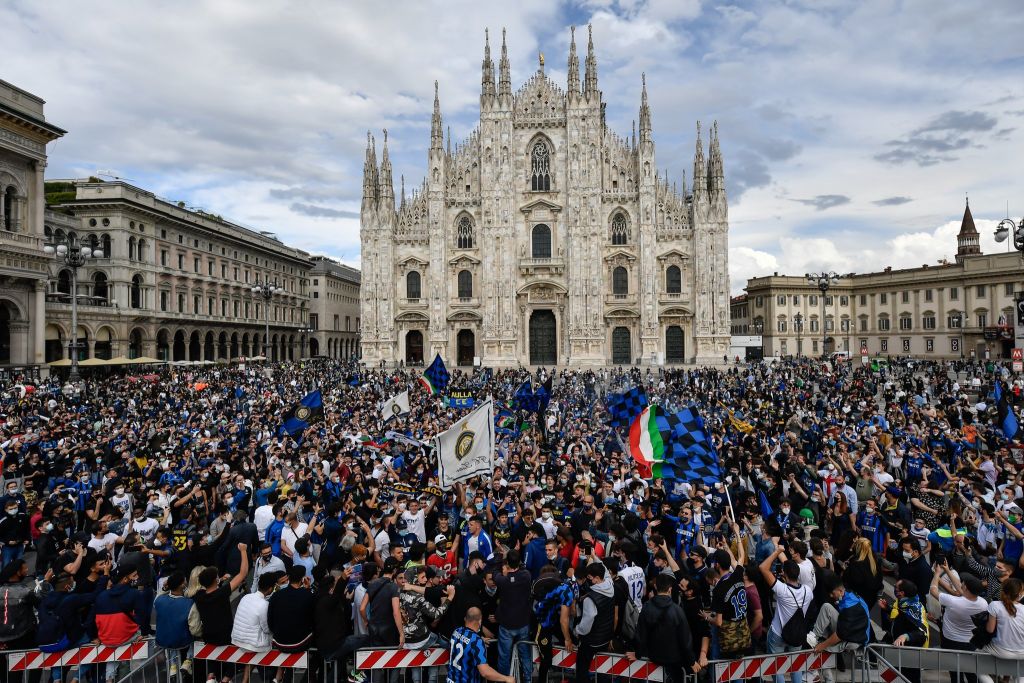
[290, 614]
[663, 633]
[1006, 620]
[418, 614]
[251, 630]
[844, 625]
[172, 608]
[908, 623]
[467, 654]
[118, 612]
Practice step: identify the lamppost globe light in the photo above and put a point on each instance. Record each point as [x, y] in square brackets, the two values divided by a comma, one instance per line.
[97, 253]
[62, 249]
[86, 252]
[49, 250]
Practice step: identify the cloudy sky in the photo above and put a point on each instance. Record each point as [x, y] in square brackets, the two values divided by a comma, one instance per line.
[851, 130]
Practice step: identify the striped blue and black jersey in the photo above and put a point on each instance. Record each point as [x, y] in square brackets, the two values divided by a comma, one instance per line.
[466, 653]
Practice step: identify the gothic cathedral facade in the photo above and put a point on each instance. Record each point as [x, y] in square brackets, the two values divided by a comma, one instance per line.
[545, 239]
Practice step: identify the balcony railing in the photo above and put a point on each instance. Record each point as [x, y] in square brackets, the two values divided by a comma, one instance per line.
[555, 264]
[83, 300]
[620, 298]
[20, 241]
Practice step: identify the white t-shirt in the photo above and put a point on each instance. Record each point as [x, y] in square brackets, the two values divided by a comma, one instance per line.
[415, 524]
[956, 621]
[105, 543]
[383, 542]
[787, 599]
[146, 528]
[1009, 630]
[289, 536]
[123, 503]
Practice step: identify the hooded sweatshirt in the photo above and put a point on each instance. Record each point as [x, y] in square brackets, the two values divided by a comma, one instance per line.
[598, 615]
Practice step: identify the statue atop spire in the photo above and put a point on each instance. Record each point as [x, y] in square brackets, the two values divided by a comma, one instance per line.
[590, 84]
[435, 123]
[504, 73]
[487, 79]
[574, 64]
[385, 185]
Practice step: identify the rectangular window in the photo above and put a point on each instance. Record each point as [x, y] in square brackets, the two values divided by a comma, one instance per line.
[981, 291]
[780, 300]
[883, 298]
[181, 239]
[845, 325]
[927, 295]
[844, 301]
[246, 309]
[337, 323]
[195, 265]
[759, 302]
[247, 277]
[1008, 289]
[814, 324]
[953, 321]
[928, 322]
[814, 346]
[905, 297]
[883, 324]
[163, 257]
[782, 326]
[224, 308]
[235, 307]
[163, 234]
[982, 320]
[828, 300]
[316, 295]
[954, 293]
[884, 345]
[196, 306]
[929, 345]
[863, 324]
[348, 323]
[181, 262]
[796, 299]
[210, 268]
[863, 300]
[224, 271]
[814, 299]
[163, 301]
[181, 303]
[209, 307]
[314, 321]
[906, 323]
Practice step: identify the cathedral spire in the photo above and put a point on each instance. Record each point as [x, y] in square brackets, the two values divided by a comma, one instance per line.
[590, 86]
[369, 174]
[435, 123]
[385, 186]
[574, 64]
[645, 113]
[449, 141]
[716, 174]
[634, 134]
[700, 174]
[487, 80]
[402, 205]
[504, 74]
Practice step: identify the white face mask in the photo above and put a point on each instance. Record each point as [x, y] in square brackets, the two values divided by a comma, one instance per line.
[908, 556]
[12, 511]
[546, 515]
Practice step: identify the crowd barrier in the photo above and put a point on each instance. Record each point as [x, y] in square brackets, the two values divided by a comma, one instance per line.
[890, 661]
[230, 654]
[771, 665]
[27, 660]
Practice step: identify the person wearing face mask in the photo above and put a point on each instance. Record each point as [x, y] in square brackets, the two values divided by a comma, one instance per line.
[119, 613]
[443, 558]
[14, 532]
[913, 567]
[266, 563]
[145, 526]
[871, 526]
[122, 501]
[1013, 539]
[786, 519]
[14, 495]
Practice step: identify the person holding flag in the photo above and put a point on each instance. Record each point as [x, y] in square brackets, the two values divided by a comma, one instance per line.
[299, 417]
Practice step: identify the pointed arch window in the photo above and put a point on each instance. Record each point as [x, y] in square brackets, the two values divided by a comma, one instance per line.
[464, 233]
[540, 168]
[620, 229]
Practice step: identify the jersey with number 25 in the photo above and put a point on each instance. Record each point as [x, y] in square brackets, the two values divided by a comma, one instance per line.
[466, 652]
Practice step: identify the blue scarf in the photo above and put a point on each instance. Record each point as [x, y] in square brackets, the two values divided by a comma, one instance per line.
[911, 608]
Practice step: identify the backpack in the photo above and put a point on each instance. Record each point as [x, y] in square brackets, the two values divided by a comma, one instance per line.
[51, 627]
[630, 619]
[794, 631]
[17, 616]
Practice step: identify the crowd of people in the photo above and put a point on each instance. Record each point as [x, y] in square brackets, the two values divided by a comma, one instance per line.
[855, 507]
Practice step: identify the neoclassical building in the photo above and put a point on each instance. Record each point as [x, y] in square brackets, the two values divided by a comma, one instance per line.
[334, 309]
[545, 238]
[24, 134]
[174, 283]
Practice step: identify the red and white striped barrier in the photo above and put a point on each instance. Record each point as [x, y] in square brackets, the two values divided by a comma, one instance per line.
[237, 655]
[603, 663]
[770, 665]
[400, 659]
[86, 654]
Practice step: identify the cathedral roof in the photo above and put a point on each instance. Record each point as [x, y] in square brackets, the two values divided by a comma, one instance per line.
[539, 98]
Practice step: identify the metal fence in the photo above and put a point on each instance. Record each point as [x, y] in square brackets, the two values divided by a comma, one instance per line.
[890, 664]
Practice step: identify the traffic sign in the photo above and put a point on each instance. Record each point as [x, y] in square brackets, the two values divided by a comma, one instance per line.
[1017, 354]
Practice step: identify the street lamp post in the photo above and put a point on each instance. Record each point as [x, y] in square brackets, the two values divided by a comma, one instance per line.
[823, 281]
[759, 331]
[1003, 231]
[798, 325]
[73, 255]
[266, 291]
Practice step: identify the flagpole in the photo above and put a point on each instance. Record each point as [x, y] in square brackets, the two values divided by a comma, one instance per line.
[729, 498]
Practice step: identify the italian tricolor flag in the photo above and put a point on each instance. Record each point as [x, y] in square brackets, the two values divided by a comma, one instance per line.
[428, 385]
[645, 442]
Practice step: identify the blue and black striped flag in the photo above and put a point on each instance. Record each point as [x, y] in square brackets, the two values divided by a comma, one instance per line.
[1007, 419]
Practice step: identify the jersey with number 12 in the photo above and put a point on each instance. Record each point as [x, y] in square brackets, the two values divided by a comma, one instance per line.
[466, 653]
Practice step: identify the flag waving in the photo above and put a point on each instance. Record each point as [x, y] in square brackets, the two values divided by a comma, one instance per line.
[302, 414]
[395, 406]
[435, 378]
[645, 441]
[467, 448]
[625, 406]
[1007, 419]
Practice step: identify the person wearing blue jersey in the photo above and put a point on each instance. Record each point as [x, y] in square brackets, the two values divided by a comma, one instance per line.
[871, 526]
[467, 653]
[477, 540]
[686, 534]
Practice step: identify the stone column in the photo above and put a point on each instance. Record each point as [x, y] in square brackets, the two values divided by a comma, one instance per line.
[38, 322]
